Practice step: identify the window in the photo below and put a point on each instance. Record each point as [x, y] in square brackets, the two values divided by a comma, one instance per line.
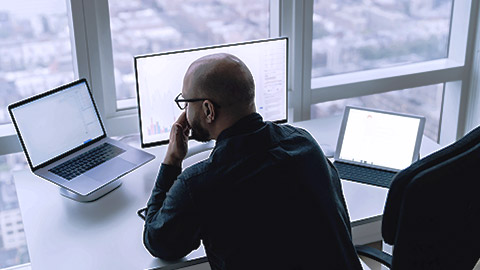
[35, 49]
[143, 26]
[425, 101]
[361, 48]
[36, 55]
[390, 45]
[14, 250]
[359, 35]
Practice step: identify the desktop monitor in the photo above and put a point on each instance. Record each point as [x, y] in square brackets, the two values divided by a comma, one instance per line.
[160, 79]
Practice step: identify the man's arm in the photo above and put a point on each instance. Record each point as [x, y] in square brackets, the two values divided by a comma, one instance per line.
[171, 225]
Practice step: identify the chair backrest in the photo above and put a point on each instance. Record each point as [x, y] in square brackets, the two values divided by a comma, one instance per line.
[395, 196]
[439, 220]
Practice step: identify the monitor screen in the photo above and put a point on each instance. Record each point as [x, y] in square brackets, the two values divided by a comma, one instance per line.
[160, 79]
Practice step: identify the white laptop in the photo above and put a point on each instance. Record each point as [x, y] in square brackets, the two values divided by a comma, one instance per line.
[373, 145]
[65, 142]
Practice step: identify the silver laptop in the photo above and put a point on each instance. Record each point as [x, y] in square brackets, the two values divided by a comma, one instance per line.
[65, 142]
[373, 145]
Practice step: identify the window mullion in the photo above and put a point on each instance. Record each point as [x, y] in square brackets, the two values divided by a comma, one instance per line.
[460, 102]
[275, 18]
[307, 58]
[459, 30]
[98, 56]
[470, 100]
[293, 25]
[472, 113]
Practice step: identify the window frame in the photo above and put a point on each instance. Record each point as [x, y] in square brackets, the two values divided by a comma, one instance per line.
[458, 111]
[120, 116]
[92, 53]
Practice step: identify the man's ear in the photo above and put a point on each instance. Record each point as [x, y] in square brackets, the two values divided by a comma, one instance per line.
[209, 111]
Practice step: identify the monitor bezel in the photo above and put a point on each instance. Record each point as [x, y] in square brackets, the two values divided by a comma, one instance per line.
[14, 105]
[136, 58]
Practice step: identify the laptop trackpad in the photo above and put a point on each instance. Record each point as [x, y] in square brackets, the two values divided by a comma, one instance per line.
[110, 170]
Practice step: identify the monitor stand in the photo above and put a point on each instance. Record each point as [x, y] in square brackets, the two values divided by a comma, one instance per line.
[92, 196]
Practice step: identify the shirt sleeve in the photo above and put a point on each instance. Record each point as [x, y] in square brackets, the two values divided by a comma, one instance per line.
[171, 228]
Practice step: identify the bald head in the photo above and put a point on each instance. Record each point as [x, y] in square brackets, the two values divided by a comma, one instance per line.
[225, 79]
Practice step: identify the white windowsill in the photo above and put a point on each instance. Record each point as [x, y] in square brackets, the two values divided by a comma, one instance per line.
[8, 140]
[383, 80]
[384, 73]
[7, 130]
[127, 104]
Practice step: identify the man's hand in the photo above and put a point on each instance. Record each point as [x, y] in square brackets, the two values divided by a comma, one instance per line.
[178, 145]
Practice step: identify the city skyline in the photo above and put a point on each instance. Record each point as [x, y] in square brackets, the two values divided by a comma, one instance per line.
[43, 60]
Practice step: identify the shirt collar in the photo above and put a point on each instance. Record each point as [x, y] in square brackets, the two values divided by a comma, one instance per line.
[246, 124]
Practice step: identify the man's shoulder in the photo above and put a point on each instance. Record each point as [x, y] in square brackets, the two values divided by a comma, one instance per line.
[287, 131]
[196, 170]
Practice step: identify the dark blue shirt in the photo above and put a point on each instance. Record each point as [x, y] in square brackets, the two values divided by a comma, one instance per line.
[266, 198]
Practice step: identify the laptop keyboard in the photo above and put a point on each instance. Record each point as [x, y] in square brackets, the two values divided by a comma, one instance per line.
[86, 161]
[361, 174]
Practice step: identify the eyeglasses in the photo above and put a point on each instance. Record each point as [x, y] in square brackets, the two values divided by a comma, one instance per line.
[182, 103]
[142, 213]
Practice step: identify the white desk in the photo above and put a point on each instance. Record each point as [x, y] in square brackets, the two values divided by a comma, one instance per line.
[107, 233]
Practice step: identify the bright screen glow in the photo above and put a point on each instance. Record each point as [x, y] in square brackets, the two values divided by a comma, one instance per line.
[160, 80]
[379, 139]
[57, 123]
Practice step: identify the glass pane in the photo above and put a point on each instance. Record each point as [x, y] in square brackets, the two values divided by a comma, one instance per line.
[425, 101]
[13, 245]
[145, 26]
[354, 35]
[35, 49]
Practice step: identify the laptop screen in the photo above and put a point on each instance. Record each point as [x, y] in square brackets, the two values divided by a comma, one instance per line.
[54, 123]
[378, 138]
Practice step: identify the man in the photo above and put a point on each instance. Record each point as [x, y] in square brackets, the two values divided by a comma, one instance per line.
[266, 198]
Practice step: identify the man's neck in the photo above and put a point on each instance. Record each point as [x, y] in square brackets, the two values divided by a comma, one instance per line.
[229, 121]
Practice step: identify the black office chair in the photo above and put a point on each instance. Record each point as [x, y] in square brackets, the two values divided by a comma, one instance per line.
[432, 213]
